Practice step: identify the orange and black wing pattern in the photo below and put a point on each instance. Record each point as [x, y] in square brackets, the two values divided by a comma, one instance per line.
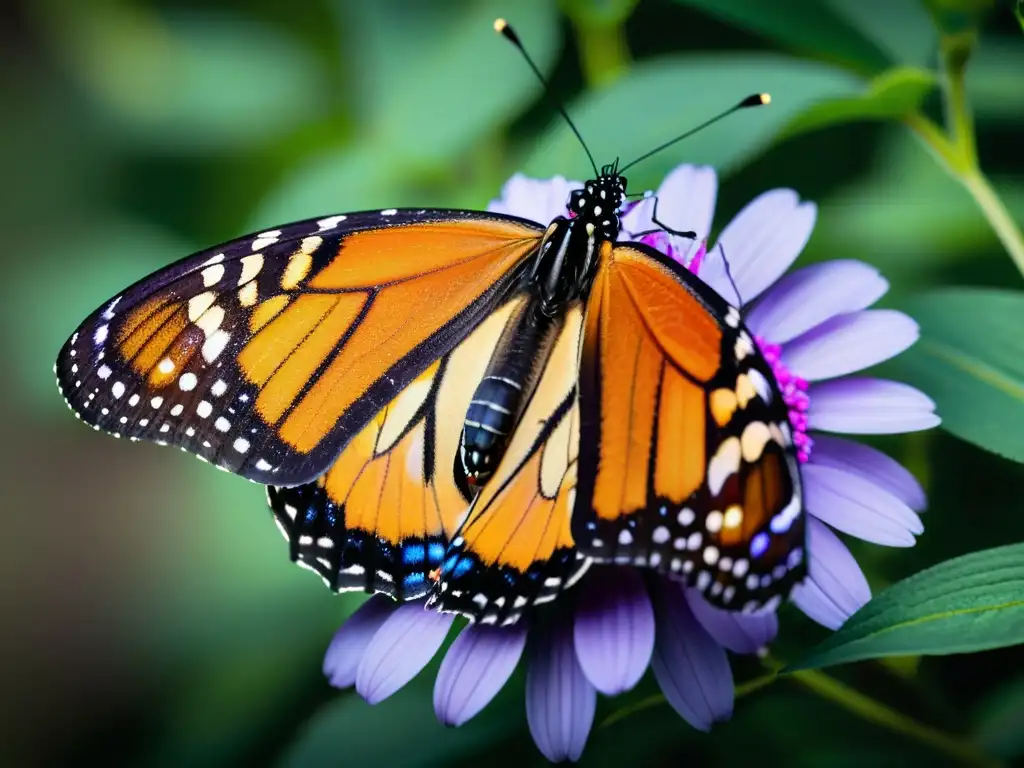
[381, 518]
[515, 548]
[267, 355]
[691, 468]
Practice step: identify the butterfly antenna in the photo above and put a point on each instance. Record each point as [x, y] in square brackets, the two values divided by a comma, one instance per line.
[756, 100]
[502, 27]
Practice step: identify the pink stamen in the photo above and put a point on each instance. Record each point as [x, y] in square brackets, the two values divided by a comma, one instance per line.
[794, 394]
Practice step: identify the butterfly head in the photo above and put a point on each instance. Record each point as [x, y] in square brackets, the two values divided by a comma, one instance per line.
[599, 201]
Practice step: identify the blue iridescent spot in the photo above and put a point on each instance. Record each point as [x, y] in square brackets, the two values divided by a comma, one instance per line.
[332, 516]
[510, 578]
[414, 579]
[413, 554]
[759, 544]
[310, 514]
[435, 551]
[465, 566]
[449, 564]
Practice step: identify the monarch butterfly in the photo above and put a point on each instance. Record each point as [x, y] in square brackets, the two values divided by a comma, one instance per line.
[465, 405]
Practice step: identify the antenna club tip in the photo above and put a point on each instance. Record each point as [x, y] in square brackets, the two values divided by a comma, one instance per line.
[504, 29]
[755, 100]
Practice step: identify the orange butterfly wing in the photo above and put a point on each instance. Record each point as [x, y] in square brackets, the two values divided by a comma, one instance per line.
[687, 463]
[267, 355]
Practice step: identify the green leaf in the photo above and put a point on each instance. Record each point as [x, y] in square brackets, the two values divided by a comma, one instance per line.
[804, 26]
[438, 80]
[661, 98]
[890, 96]
[969, 603]
[1018, 11]
[191, 81]
[970, 359]
[903, 30]
[999, 725]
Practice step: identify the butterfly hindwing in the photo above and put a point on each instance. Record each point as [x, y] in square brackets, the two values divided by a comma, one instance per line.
[685, 437]
[381, 517]
[515, 547]
[268, 354]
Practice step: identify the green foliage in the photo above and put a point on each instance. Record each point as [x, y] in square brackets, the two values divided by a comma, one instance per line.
[890, 96]
[188, 81]
[803, 26]
[999, 723]
[668, 93]
[970, 603]
[153, 615]
[970, 359]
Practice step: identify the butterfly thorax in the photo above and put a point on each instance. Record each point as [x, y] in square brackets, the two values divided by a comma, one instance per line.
[567, 259]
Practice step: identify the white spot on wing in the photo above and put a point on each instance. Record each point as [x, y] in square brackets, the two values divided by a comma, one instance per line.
[251, 266]
[212, 275]
[265, 238]
[330, 222]
[215, 344]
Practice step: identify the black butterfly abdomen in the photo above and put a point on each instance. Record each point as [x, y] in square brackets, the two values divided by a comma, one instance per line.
[502, 394]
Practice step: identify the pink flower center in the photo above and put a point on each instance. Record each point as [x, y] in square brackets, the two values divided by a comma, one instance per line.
[794, 394]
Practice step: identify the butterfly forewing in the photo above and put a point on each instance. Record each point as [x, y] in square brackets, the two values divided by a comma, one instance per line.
[268, 354]
[691, 467]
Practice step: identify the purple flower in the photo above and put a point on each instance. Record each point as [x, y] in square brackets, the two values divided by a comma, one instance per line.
[815, 330]
[601, 637]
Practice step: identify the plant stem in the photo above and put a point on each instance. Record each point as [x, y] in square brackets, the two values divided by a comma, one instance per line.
[604, 52]
[956, 147]
[955, 51]
[992, 206]
[875, 712]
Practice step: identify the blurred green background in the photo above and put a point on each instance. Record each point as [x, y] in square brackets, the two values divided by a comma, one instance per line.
[150, 613]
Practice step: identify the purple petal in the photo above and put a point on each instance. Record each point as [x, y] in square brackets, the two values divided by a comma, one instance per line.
[686, 202]
[739, 632]
[869, 406]
[614, 629]
[403, 645]
[849, 343]
[859, 507]
[476, 667]
[560, 701]
[808, 297]
[691, 668]
[535, 199]
[765, 238]
[835, 588]
[352, 639]
[870, 464]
